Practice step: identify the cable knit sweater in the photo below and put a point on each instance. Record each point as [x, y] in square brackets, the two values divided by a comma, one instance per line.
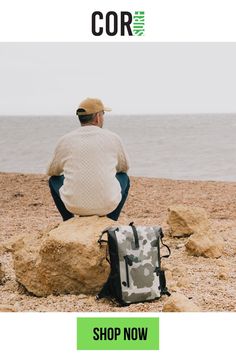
[89, 158]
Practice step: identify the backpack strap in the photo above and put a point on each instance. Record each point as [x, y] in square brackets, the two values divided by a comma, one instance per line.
[162, 278]
[164, 290]
[163, 244]
[105, 231]
[101, 241]
[136, 240]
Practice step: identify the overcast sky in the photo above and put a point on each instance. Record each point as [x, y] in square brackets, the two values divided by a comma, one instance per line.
[146, 78]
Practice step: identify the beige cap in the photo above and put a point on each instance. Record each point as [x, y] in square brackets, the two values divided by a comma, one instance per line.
[90, 106]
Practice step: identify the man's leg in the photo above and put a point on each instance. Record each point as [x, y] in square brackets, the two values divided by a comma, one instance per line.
[125, 184]
[55, 183]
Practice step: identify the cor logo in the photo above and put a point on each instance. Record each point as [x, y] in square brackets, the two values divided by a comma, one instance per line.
[124, 23]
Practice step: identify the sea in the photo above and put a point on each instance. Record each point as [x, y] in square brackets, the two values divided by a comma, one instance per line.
[183, 147]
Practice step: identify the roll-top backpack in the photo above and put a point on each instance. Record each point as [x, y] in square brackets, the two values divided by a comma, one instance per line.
[135, 264]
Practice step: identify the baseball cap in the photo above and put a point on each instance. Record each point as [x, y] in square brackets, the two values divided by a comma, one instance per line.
[91, 106]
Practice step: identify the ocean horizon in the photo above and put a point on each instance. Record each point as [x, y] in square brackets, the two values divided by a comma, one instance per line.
[181, 146]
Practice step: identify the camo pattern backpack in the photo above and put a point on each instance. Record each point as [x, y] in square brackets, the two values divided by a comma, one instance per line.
[135, 261]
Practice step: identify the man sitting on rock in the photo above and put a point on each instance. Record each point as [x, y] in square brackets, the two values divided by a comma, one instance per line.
[88, 170]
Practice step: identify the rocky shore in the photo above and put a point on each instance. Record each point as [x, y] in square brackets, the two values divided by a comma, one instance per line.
[26, 208]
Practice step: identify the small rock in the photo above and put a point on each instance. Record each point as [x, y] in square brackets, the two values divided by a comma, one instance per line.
[7, 308]
[223, 276]
[180, 303]
[180, 245]
[18, 194]
[82, 296]
[2, 274]
[205, 244]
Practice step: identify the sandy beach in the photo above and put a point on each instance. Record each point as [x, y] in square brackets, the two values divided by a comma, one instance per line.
[26, 207]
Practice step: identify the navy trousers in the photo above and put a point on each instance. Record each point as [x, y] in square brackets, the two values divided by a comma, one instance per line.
[56, 182]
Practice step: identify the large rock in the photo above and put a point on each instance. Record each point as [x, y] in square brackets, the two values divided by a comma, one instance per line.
[184, 220]
[193, 222]
[179, 303]
[205, 244]
[67, 259]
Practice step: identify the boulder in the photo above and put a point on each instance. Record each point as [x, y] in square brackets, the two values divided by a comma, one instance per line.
[192, 222]
[185, 221]
[65, 260]
[205, 244]
[179, 303]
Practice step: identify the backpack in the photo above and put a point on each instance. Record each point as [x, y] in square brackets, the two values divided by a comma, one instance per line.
[135, 264]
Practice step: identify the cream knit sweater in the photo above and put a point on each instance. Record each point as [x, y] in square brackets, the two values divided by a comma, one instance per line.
[89, 158]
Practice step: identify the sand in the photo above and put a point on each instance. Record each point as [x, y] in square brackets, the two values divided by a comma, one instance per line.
[26, 207]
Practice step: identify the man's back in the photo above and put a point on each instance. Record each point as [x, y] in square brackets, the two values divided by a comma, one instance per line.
[89, 158]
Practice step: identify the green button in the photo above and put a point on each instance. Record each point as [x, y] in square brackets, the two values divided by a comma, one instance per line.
[119, 333]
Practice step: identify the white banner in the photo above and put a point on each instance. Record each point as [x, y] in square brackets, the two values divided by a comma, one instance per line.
[169, 20]
[180, 333]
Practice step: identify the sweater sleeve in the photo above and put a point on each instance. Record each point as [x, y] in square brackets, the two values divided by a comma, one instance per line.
[55, 167]
[123, 160]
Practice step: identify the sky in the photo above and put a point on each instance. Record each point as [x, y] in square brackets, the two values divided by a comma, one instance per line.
[131, 78]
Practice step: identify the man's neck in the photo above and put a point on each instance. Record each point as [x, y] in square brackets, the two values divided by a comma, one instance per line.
[89, 124]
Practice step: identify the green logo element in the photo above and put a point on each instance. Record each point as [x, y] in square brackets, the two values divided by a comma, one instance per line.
[119, 333]
[138, 23]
